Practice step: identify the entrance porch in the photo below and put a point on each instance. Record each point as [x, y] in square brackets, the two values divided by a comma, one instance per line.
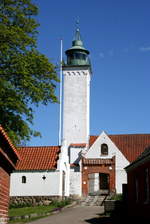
[98, 176]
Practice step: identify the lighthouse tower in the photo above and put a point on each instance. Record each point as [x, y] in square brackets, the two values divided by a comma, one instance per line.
[76, 93]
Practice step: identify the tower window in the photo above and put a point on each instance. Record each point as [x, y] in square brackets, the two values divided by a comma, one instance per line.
[104, 149]
[77, 56]
[24, 179]
[83, 57]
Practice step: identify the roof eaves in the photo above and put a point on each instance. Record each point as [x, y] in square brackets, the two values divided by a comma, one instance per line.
[39, 170]
[77, 145]
[7, 158]
[4, 134]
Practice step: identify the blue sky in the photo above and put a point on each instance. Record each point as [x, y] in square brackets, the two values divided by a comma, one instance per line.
[117, 34]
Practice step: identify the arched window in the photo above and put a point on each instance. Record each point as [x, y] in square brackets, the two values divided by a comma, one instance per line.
[104, 149]
[24, 180]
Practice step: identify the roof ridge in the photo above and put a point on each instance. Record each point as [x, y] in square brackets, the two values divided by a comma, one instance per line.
[122, 134]
[38, 146]
[129, 134]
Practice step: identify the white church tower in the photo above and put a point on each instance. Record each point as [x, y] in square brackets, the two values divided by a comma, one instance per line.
[76, 93]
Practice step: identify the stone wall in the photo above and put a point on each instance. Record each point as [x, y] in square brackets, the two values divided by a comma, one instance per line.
[17, 201]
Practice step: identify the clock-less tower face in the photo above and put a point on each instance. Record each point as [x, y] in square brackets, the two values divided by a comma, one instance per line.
[76, 93]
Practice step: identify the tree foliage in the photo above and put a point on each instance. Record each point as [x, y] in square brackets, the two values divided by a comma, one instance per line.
[27, 77]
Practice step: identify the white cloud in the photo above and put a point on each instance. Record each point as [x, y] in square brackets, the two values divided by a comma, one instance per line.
[144, 49]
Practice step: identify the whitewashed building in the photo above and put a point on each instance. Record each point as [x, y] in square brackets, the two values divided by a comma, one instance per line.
[83, 164]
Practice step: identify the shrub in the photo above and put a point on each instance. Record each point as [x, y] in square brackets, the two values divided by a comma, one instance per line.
[20, 205]
[60, 204]
[117, 197]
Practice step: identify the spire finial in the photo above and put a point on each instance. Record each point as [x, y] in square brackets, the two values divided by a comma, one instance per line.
[77, 23]
[77, 34]
[77, 54]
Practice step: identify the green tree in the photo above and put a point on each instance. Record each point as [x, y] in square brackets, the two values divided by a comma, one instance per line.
[27, 77]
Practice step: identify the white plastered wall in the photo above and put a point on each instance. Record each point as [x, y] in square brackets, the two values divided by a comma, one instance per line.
[63, 166]
[35, 185]
[121, 161]
[75, 154]
[76, 90]
[75, 183]
[75, 176]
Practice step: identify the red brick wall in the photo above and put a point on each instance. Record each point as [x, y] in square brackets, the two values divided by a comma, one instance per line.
[104, 168]
[140, 207]
[8, 160]
[4, 195]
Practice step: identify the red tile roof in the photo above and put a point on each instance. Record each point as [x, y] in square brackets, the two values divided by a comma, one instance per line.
[143, 158]
[131, 145]
[78, 145]
[92, 139]
[38, 158]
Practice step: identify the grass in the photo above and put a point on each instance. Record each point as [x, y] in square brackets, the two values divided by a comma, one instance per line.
[30, 210]
[25, 220]
[40, 210]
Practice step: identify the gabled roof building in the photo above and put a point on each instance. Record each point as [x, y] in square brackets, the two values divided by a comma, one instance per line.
[96, 169]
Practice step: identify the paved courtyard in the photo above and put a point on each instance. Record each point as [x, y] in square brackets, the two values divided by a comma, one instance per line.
[74, 215]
